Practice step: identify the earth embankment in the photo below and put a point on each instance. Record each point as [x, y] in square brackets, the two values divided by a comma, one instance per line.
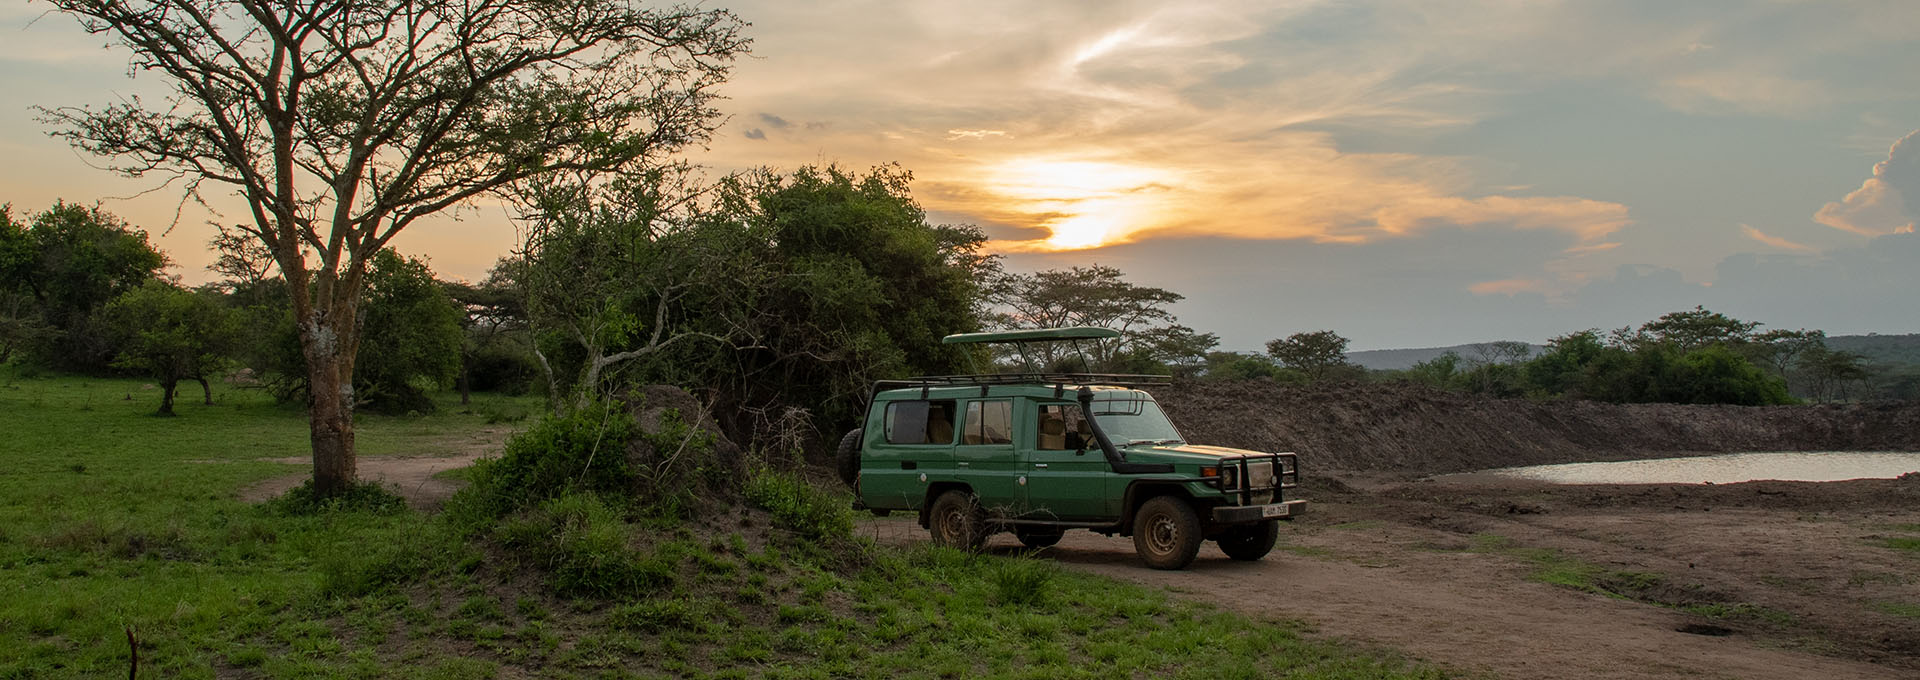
[1404, 427]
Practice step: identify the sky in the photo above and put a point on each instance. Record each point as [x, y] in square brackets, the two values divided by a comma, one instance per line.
[1405, 173]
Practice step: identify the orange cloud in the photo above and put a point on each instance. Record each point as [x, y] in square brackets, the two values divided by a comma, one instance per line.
[1880, 206]
[1775, 241]
[1509, 287]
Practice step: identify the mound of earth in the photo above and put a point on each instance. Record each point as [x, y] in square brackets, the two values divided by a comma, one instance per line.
[1405, 427]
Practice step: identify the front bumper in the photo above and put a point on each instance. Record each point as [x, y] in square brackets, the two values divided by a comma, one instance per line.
[1242, 514]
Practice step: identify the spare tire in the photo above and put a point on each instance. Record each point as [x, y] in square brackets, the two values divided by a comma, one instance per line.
[846, 457]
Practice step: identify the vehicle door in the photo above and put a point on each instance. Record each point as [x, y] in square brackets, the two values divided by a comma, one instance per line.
[1066, 475]
[985, 459]
[915, 438]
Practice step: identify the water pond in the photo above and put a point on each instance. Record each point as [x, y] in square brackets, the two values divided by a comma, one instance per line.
[1799, 466]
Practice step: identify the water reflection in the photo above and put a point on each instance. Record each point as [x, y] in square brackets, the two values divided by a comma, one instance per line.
[1802, 466]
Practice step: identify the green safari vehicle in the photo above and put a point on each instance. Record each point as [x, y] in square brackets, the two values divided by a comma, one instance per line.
[977, 454]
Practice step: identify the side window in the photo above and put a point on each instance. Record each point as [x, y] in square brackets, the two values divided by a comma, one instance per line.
[920, 422]
[1062, 428]
[989, 422]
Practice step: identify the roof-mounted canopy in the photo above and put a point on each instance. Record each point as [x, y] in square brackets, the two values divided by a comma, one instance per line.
[1035, 335]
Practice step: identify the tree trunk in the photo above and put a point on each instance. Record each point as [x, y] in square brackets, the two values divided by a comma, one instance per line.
[167, 388]
[466, 378]
[330, 384]
[206, 391]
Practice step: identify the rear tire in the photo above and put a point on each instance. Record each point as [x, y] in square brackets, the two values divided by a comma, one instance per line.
[1038, 538]
[1166, 533]
[1251, 541]
[956, 521]
[846, 456]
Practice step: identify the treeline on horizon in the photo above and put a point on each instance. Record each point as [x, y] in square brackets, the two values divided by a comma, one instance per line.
[782, 297]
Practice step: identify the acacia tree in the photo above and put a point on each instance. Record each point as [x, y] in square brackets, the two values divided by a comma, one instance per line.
[170, 335]
[1100, 295]
[1319, 354]
[342, 123]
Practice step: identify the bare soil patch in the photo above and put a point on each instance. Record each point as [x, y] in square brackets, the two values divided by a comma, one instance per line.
[1763, 580]
[410, 474]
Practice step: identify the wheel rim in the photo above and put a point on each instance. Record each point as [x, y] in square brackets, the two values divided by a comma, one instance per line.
[950, 526]
[1162, 534]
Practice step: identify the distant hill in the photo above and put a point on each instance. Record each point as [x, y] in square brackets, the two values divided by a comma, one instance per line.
[1878, 349]
[1402, 359]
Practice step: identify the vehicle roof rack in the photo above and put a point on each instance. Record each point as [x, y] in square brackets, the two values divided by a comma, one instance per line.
[1033, 335]
[1058, 381]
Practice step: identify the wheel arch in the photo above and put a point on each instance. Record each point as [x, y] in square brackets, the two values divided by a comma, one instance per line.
[933, 491]
[1142, 490]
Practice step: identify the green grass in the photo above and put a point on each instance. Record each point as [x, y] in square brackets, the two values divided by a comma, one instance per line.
[1555, 568]
[111, 519]
[1901, 609]
[1903, 543]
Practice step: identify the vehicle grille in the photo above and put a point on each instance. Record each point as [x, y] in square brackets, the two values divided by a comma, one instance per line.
[1260, 483]
[1260, 475]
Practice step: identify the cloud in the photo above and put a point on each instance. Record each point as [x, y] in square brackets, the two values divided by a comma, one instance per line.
[974, 134]
[1882, 204]
[1508, 287]
[755, 134]
[1774, 241]
[1731, 91]
[774, 121]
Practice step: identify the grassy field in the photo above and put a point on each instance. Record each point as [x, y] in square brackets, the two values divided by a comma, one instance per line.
[113, 520]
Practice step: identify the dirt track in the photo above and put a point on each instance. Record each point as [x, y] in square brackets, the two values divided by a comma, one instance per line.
[411, 474]
[1789, 577]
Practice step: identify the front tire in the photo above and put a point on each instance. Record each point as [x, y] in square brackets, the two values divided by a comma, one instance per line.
[956, 521]
[1166, 533]
[1251, 541]
[846, 456]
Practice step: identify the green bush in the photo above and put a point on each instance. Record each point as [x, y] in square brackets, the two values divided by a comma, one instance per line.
[798, 506]
[580, 451]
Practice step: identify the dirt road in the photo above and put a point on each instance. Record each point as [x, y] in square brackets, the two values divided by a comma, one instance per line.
[1741, 581]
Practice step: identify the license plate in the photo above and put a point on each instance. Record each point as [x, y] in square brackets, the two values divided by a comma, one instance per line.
[1274, 511]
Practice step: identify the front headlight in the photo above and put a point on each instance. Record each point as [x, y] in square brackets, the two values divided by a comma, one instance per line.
[1229, 478]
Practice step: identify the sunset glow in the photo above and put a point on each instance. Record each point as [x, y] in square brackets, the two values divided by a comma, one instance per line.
[1404, 172]
[1083, 204]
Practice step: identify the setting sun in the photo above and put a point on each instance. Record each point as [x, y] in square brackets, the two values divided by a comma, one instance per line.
[1082, 204]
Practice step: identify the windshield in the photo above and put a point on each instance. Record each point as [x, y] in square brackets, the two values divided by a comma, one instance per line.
[1127, 421]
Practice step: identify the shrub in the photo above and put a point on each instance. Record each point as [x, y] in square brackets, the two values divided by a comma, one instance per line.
[798, 506]
[580, 451]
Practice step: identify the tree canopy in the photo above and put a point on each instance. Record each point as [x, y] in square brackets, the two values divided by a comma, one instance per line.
[341, 124]
[1319, 354]
[1151, 338]
[57, 271]
[169, 334]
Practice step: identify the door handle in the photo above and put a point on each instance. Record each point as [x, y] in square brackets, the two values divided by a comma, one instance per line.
[1039, 465]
